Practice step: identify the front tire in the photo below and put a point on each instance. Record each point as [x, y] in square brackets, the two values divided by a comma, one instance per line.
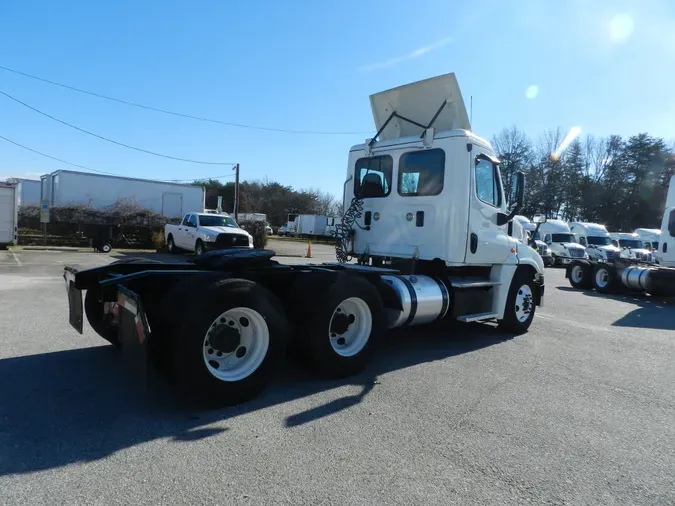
[229, 341]
[199, 247]
[520, 306]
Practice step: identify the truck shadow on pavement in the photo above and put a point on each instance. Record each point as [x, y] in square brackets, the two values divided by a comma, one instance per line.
[651, 313]
[83, 405]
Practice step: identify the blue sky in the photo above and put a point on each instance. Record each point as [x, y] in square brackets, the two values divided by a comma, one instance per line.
[607, 67]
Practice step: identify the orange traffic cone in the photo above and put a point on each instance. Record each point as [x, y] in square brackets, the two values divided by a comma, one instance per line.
[309, 250]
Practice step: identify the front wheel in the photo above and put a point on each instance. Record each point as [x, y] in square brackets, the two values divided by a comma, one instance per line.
[520, 306]
[199, 247]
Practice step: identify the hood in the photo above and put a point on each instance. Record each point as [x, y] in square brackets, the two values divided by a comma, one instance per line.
[225, 230]
[639, 251]
[609, 247]
[572, 245]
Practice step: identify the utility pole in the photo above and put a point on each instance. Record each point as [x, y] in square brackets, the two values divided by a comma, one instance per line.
[236, 192]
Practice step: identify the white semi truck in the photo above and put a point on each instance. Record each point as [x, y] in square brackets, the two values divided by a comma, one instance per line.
[9, 214]
[651, 238]
[617, 274]
[523, 230]
[425, 218]
[595, 238]
[557, 235]
[631, 246]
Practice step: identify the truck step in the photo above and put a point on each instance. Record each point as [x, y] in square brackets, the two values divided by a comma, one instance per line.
[477, 317]
[473, 283]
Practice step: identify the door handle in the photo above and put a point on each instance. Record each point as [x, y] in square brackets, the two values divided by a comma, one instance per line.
[473, 243]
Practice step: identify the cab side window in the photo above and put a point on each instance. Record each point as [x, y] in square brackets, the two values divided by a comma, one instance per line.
[671, 223]
[421, 173]
[372, 176]
[488, 187]
[186, 220]
[193, 220]
[582, 241]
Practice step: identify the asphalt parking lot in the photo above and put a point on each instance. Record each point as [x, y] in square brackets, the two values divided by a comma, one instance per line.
[580, 410]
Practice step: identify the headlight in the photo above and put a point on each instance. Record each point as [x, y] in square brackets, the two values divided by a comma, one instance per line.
[209, 238]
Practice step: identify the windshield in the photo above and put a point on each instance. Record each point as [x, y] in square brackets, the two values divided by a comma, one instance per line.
[563, 238]
[631, 243]
[217, 221]
[599, 241]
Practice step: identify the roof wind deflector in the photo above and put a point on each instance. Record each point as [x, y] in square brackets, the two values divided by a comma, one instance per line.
[411, 109]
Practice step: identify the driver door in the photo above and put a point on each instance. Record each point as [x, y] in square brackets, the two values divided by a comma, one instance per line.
[488, 242]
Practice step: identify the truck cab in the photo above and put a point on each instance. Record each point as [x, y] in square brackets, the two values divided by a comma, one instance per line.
[595, 238]
[523, 230]
[631, 246]
[651, 238]
[557, 235]
[427, 193]
[667, 252]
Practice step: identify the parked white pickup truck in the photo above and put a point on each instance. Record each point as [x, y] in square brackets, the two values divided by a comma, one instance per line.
[200, 232]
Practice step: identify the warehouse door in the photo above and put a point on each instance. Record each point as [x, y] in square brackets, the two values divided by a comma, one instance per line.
[172, 205]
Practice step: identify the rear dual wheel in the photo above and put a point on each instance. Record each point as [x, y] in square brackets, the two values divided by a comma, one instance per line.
[227, 340]
[605, 279]
[580, 275]
[339, 321]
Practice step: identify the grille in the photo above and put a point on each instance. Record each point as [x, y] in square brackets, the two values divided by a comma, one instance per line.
[576, 252]
[611, 255]
[231, 241]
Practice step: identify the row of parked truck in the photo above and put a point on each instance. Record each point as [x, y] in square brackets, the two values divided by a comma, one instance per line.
[560, 242]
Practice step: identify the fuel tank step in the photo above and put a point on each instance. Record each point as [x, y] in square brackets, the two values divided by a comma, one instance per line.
[477, 317]
[467, 283]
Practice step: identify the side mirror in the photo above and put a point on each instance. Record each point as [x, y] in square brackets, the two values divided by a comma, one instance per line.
[539, 218]
[517, 205]
[520, 190]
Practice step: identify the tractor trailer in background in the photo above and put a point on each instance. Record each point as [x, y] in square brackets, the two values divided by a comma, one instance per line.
[9, 214]
[424, 237]
[173, 200]
[616, 274]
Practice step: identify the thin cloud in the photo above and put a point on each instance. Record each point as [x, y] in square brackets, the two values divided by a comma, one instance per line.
[410, 56]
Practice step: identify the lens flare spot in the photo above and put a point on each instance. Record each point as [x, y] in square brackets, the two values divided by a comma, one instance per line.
[532, 92]
[620, 28]
[571, 135]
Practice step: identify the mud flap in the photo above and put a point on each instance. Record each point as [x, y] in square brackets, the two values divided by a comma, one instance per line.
[133, 331]
[75, 311]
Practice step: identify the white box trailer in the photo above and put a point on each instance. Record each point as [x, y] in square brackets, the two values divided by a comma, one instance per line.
[9, 214]
[332, 223]
[252, 217]
[311, 224]
[172, 200]
[29, 191]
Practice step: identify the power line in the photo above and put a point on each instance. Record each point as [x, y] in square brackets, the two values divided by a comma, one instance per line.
[202, 162]
[179, 114]
[102, 171]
